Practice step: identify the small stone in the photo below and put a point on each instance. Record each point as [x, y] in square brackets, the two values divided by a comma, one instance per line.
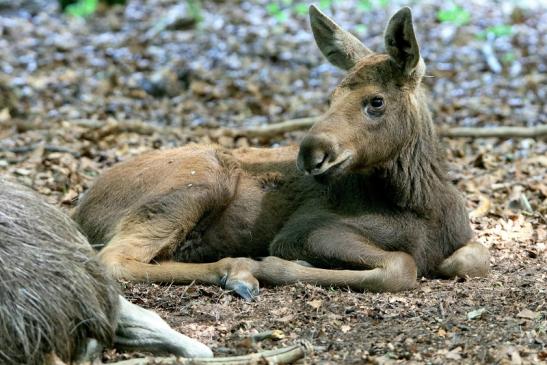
[527, 314]
[476, 313]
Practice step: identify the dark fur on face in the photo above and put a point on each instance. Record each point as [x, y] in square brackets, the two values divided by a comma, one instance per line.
[53, 293]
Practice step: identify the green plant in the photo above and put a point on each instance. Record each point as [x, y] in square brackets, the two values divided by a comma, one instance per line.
[282, 9]
[194, 7]
[455, 15]
[323, 4]
[361, 28]
[301, 9]
[508, 58]
[496, 31]
[275, 10]
[82, 8]
[365, 5]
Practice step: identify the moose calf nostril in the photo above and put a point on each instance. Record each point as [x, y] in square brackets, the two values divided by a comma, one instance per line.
[320, 160]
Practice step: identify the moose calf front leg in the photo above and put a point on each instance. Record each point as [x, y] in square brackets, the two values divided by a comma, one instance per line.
[145, 240]
[381, 270]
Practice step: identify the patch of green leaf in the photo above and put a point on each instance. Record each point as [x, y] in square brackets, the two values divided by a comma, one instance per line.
[508, 58]
[82, 8]
[277, 12]
[273, 8]
[282, 9]
[194, 8]
[361, 28]
[301, 9]
[455, 15]
[365, 5]
[501, 30]
[323, 4]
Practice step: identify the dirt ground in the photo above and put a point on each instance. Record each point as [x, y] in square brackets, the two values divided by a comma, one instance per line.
[73, 92]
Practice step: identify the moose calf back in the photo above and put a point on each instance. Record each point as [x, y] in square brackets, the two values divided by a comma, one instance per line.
[53, 293]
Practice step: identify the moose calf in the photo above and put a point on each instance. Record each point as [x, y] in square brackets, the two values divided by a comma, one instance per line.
[365, 199]
[56, 302]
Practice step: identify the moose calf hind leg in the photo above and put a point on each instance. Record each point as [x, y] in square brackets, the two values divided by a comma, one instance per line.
[471, 260]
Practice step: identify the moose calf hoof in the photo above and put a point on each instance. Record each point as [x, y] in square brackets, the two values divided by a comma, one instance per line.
[236, 276]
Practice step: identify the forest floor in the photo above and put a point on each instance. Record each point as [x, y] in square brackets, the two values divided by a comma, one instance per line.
[73, 92]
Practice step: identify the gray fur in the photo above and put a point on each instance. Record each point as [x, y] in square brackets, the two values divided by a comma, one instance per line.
[54, 295]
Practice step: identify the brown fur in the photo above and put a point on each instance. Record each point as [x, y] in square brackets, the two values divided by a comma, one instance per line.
[375, 198]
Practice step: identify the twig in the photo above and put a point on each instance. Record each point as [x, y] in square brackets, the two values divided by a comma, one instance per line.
[273, 334]
[99, 130]
[275, 129]
[47, 148]
[270, 130]
[499, 132]
[116, 127]
[482, 209]
[491, 59]
[286, 355]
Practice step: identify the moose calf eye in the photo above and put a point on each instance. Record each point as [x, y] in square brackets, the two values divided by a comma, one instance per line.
[377, 103]
[374, 106]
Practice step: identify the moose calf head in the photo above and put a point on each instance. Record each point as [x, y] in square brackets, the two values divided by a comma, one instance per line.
[377, 107]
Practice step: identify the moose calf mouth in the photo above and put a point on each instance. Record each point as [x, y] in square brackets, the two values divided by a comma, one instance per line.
[332, 170]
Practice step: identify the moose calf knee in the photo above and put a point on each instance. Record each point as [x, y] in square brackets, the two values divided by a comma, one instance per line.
[115, 264]
[400, 272]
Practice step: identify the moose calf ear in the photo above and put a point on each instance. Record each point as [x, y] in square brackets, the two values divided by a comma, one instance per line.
[341, 48]
[400, 41]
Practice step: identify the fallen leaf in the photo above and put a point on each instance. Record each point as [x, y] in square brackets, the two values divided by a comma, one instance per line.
[454, 354]
[477, 313]
[277, 335]
[315, 303]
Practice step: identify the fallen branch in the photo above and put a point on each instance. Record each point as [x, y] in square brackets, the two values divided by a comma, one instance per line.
[482, 209]
[99, 130]
[286, 355]
[272, 130]
[47, 148]
[499, 132]
[112, 127]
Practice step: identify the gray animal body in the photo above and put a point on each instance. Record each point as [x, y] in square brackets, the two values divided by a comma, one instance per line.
[56, 299]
